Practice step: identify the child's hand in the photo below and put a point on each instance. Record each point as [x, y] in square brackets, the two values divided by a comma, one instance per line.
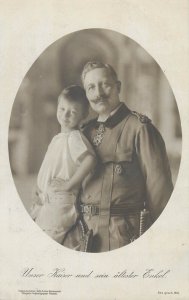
[36, 199]
[37, 203]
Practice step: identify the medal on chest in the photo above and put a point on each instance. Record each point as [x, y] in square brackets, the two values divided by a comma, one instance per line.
[99, 134]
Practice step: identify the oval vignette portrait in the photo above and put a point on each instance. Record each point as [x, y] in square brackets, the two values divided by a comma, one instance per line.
[95, 141]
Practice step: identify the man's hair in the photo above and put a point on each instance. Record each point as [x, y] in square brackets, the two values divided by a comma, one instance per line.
[75, 93]
[91, 65]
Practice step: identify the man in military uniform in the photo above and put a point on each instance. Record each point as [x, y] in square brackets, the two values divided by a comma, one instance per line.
[132, 174]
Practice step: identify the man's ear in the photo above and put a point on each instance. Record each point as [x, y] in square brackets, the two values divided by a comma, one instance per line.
[118, 86]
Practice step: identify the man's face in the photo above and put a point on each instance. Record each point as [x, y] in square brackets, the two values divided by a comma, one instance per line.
[102, 90]
[69, 114]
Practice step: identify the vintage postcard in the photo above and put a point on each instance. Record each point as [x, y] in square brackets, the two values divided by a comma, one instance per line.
[94, 209]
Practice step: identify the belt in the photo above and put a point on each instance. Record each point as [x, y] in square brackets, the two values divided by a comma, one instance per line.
[89, 209]
[122, 210]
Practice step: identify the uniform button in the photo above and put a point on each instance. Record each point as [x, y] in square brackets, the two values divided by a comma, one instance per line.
[118, 169]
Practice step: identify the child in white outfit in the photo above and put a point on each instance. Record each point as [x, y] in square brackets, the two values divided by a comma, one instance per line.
[68, 160]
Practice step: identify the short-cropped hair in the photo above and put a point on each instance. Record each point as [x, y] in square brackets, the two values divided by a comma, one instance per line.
[75, 93]
[91, 65]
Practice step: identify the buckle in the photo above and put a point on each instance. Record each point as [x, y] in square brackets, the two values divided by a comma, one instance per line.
[89, 209]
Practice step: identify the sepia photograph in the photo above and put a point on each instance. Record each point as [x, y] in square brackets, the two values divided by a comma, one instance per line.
[95, 141]
[94, 150]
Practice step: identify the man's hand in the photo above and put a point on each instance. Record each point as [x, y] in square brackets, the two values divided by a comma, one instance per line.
[58, 185]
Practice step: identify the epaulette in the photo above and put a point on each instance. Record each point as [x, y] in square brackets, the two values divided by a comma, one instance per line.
[88, 123]
[141, 118]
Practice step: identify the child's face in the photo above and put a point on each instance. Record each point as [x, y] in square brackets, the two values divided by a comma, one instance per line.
[69, 114]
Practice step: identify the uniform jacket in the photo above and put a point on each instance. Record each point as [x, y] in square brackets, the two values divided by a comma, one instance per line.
[132, 172]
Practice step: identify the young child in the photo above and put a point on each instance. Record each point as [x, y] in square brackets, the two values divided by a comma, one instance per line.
[68, 160]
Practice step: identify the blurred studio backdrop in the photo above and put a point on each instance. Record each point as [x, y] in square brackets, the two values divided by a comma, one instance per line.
[33, 120]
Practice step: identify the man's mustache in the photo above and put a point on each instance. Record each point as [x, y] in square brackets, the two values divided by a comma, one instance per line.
[100, 99]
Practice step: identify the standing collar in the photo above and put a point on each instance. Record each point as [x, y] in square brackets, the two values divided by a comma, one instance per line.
[116, 116]
[111, 114]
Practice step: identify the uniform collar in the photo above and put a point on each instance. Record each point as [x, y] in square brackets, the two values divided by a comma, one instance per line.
[110, 115]
[116, 117]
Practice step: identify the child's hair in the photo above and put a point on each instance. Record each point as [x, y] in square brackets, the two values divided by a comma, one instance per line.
[75, 93]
